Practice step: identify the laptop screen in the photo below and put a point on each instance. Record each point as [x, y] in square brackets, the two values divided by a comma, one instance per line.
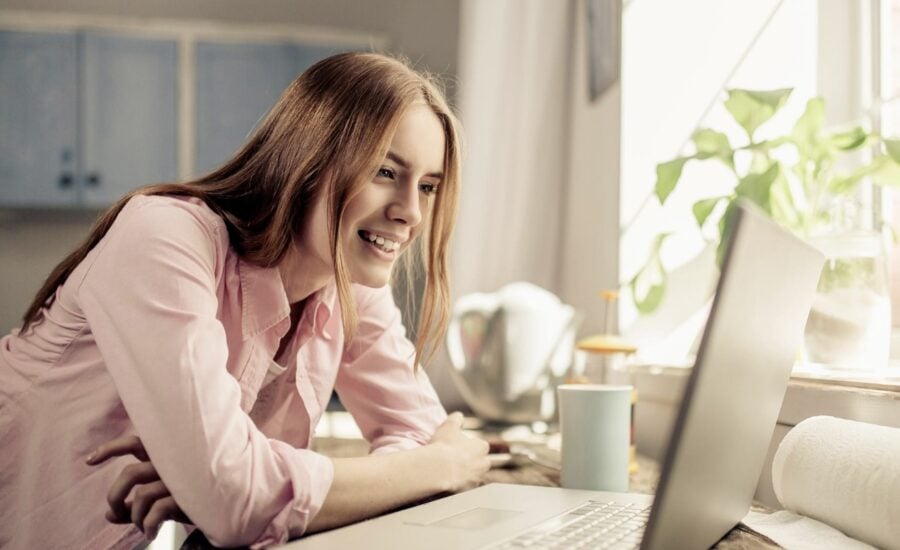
[733, 396]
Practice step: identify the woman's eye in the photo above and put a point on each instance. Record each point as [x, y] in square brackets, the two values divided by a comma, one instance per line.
[428, 188]
[386, 173]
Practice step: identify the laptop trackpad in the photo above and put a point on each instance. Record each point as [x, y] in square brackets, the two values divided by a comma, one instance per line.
[476, 518]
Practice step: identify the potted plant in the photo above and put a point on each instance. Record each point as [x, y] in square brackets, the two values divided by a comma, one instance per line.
[808, 181]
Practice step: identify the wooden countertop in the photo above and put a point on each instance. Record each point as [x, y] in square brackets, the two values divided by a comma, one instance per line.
[530, 473]
[526, 472]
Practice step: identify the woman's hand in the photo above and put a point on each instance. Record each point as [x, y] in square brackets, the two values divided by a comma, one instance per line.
[467, 459]
[152, 504]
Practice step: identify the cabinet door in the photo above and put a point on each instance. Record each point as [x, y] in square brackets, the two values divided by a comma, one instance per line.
[130, 111]
[237, 84]
[38, 118]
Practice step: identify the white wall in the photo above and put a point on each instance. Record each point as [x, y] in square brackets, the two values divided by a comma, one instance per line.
[513, 99]
[590, 244]
[31, 244]
[425, 31]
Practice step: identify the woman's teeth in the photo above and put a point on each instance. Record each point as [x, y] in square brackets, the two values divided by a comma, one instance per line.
[385, 244]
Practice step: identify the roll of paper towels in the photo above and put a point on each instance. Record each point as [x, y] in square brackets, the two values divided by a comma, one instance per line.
[845, 474]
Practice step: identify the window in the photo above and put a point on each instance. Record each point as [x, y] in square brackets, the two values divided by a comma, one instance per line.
[831, 49]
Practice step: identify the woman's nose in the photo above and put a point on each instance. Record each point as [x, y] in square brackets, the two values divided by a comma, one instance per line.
[405, 207]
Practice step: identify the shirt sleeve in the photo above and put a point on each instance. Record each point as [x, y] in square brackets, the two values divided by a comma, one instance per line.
[394, 404]
[149, 298]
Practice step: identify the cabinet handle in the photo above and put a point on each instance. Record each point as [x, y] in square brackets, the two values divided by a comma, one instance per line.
[92, 179]
[65, 180]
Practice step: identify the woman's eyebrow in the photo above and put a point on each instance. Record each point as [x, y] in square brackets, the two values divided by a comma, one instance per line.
[404, 164]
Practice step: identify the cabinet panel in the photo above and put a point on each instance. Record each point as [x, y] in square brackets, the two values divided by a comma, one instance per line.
[130, 106]
[237, 84]
[38, 118]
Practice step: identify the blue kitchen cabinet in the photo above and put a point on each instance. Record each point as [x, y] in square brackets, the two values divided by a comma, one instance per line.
[38, 119]
[130, 106]
[84, 117]
[236, 85]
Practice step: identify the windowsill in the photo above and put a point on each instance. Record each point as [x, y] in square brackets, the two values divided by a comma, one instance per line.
[864, 397]
[885, 379]
[867, 397]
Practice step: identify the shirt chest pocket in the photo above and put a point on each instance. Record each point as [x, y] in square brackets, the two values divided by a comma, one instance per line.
[249, 368]
[317, 367]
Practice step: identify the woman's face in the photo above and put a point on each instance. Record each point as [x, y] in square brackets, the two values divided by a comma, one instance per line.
[391, 210]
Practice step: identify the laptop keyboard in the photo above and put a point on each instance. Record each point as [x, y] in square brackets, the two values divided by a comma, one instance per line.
[591, 525]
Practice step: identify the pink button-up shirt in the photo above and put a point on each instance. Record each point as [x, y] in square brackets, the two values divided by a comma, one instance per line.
[164, 332]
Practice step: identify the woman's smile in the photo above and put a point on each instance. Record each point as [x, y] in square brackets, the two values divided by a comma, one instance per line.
[384, 247]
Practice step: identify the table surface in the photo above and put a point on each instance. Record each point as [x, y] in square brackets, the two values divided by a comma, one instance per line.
[530, 473]
[526, 472]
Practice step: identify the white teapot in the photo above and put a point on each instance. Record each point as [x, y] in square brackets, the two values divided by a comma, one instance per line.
[510, 349]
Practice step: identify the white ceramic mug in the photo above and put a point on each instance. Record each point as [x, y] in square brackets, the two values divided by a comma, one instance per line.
[595, 423]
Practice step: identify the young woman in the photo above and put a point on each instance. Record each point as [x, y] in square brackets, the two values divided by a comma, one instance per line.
[202, 327]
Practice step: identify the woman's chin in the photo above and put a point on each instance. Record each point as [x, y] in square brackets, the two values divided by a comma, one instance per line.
[371, 279]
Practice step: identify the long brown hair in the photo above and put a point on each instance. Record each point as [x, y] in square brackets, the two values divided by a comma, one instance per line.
[326, 134]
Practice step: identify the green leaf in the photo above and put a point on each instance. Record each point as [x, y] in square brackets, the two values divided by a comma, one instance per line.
[726, 223]
[752, 108]
[842, 185]
[893, 149]
[849, 140]
[667, 176]
[760, 161]
[710, 143]
[879, 169]
[703, 208]
[808, 126]
[757, 187]
[650, 302]
[648, 286]
[782, 204]
[769, 144]
[886, 172]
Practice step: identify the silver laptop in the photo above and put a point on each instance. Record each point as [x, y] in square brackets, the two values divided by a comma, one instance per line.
[718, 444]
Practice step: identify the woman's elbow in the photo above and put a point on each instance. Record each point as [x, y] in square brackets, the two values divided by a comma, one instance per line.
[224, 536]
[234, 520]
[229, 534]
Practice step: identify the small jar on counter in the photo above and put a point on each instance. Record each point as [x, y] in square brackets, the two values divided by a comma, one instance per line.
[602, 359]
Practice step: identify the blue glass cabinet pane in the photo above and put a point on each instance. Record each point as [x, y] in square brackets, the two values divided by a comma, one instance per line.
[38, 119]
[237, 84]
[130, 106]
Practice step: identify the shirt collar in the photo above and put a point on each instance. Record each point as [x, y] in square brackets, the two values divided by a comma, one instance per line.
[324, 300]
[264, 302]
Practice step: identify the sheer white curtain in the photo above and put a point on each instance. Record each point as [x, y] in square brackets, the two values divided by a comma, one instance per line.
[514, 93]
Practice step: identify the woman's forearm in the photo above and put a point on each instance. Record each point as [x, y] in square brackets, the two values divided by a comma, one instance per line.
[367, 486]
